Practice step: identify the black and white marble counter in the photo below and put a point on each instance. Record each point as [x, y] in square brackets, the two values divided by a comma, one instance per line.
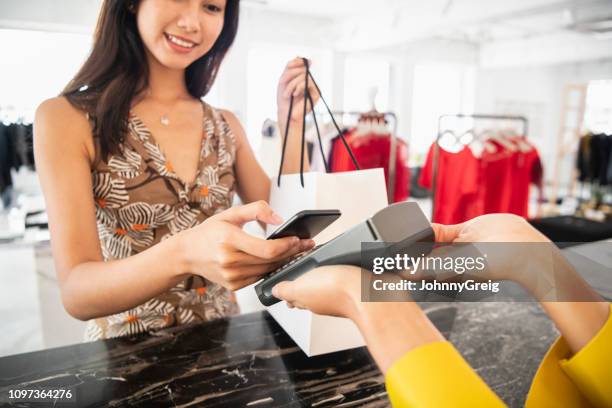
[249, 361]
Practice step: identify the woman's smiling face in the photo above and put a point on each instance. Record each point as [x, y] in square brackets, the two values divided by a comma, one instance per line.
[178, 32]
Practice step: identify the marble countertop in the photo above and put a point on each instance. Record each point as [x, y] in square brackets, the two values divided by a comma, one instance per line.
[248, 361]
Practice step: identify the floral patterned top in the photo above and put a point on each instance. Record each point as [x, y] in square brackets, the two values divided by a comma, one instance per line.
[140, 201]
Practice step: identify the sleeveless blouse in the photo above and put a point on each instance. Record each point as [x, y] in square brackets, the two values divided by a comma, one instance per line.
[140, 201]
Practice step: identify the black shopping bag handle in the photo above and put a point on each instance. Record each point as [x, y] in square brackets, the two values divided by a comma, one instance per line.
[308, 99]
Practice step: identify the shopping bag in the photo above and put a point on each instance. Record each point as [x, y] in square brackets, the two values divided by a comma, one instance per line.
[358, 195]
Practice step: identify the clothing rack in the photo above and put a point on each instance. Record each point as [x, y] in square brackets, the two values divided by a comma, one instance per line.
[441, 132]
[392, 156]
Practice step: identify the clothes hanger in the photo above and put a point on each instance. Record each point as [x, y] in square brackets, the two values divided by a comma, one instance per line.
[485, 138]
[519, 140]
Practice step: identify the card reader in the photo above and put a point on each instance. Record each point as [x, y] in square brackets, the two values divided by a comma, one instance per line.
[401, 225]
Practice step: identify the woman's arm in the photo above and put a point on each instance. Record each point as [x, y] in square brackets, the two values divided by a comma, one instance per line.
[90, 287]
[577, 310]
[421, 368]
[580, 320]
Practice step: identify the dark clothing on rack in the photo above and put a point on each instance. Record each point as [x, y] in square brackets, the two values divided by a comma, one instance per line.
[605, 146]
[16, 150]
[594, 159]
[583, 162]
[6, 157]
[610, 165]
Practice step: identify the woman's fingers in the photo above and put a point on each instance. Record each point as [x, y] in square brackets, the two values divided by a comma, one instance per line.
[256, 211]
[263, 248]
[286, 291]
[299, 89]
[298, 62]
[294, 85]
[291, 74]
[447, 233]
[241, 283]
[243, 258]
[246, 272]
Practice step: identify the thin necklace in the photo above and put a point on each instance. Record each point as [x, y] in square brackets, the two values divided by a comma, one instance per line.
[164, 119]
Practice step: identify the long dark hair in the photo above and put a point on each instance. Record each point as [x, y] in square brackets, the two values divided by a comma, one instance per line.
[117, 70]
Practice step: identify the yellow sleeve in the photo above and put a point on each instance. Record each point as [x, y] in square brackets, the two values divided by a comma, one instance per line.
[435, 375]
[579, 381]
[591, 368]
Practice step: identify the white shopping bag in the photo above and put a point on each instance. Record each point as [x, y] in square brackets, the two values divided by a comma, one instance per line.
[358, 195]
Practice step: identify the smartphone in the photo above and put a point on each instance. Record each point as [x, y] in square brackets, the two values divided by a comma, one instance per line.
[306, 224]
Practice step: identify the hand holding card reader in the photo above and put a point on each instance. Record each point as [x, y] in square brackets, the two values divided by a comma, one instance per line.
[402, 224]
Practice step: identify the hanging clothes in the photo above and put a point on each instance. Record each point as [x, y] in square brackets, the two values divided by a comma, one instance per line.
[16, 150]
[6, 159]
[583, 158]
[457, 180]
[372, 151]
[594, 159]
[497, 181]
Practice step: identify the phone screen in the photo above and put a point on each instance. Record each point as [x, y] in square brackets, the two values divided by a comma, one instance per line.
[306, 224]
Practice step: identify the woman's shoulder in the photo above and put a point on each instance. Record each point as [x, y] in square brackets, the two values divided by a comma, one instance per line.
[59, 107]
[57, 116]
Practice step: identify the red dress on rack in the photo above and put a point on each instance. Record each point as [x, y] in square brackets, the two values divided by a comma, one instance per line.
[496, 182]
[527, 170]
[372, 151]
[457, 180]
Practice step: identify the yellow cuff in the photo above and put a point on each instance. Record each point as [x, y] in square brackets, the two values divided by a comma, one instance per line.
[435, 375]
[591, 368]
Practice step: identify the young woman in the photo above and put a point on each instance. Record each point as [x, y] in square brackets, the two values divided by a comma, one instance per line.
[422, 369]
[139, 173]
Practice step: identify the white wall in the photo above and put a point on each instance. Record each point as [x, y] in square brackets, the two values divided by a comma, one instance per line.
[403, 60]
[264, 27]
[59, 16]
[37, 65]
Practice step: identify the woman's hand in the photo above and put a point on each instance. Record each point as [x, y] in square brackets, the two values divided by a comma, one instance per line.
[514, 250]
[316, 289]
[489, 228]
[219, 250]
[390, 329]
[292, 82]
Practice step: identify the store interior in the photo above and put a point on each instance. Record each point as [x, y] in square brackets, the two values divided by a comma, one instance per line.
[524, 87]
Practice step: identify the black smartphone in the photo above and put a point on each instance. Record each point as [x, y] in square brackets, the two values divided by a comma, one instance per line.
[306, 224]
